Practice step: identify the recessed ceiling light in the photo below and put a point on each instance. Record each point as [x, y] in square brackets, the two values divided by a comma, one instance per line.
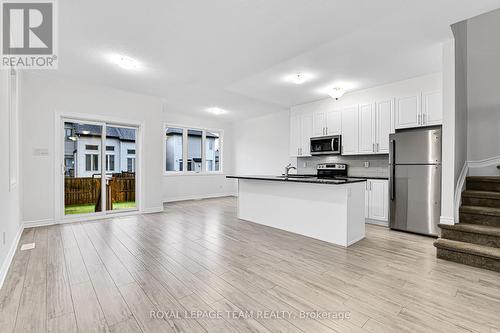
[124, 61]
[336, 92]
[217, 111]
[298, 78]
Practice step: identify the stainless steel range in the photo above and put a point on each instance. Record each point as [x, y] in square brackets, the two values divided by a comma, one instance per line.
[331, 170]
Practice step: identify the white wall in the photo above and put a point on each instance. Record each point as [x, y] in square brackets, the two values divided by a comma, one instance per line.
[261, 145]
[483, 86]
[43, 97]
[449, 165]
[197, 186]
[9, 190]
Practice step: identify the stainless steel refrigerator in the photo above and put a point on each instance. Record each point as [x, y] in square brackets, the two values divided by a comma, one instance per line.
[415, 180]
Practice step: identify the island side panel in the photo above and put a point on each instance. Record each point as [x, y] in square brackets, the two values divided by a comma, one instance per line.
[315, 210]
[355, 213]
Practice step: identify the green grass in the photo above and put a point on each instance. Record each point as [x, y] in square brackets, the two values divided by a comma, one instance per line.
[85, 209]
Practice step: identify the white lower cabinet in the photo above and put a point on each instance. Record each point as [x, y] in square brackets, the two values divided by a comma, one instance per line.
[377, 199]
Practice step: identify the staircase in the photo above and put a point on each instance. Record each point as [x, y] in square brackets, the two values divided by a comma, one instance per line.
[475, 241]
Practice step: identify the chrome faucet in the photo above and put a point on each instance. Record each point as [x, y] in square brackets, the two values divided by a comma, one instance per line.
[288, 168]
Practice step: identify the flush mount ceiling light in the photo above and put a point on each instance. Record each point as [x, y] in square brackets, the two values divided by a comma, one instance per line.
[298, 78]
[336, 92]
[216, 111]
[125, 62]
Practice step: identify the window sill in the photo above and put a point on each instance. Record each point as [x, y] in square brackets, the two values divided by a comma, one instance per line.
[174, 173]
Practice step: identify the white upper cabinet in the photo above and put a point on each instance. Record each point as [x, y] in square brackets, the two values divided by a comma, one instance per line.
[366, 129]
[333, 122]
[384, 111]
[319, 124]
[306, 129]
[422, 109]
[408, 111]
[350, 131]
[432, 108]
[295, 135]
[327, 123]
[301, 131]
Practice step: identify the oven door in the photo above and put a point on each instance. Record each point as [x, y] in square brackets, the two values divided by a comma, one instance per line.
[325, 145]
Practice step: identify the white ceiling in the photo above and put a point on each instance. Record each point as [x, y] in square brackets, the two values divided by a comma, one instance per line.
[234, 53]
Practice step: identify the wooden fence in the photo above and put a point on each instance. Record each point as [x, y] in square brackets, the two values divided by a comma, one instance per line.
[86, 191]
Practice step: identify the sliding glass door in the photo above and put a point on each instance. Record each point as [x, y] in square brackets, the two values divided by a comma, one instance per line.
[99, 167]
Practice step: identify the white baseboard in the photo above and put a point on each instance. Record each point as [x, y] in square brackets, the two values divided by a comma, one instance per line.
[377, 222]
[446, 220]
[152, 210]
[486, 167]
[38, 223]
[199, 197]
[10, 255]
[458, 192]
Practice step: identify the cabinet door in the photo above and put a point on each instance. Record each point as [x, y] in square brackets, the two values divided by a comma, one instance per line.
[306, 132]
[378, 199]
[384, 112]
[350, 131]
[408, 111]
[295, 137]
[367, 199]
[366, 129]
[319, 124]
[432, 108]
[333, 122]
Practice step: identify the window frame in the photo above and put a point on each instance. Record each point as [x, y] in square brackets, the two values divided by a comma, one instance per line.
[185, 144]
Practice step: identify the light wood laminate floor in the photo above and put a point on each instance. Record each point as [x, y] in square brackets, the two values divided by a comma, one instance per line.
[110, 275]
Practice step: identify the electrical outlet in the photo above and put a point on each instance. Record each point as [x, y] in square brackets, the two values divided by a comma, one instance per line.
[367, 164]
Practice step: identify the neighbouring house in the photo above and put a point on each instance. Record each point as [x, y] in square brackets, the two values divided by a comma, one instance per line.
[82, 150]
[174, 150]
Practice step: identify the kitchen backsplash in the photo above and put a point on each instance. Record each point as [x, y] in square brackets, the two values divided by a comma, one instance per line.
[378, 164]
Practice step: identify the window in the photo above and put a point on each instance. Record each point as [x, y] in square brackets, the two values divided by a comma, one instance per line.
[68, 132]
[212, 151]
[110, 148]
[130, 164]
[131, 151]
[91, 147]
[192, 150]
[174, 149]
[91, 162]
[110, 162]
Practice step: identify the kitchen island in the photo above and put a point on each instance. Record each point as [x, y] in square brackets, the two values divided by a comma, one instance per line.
[331, 210]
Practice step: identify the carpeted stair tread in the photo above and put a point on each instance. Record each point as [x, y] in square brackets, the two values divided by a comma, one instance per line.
[468, 248]
[486, 179]
[481, 194]
[473, 228]
[479, 210]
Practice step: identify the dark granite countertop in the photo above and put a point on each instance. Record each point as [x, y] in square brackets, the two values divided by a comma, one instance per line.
[363, 177]
[303, 179]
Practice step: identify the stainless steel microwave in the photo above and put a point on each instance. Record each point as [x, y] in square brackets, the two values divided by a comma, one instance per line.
[326, 145]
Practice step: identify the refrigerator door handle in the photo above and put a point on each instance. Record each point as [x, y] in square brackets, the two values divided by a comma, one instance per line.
[392, 170]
